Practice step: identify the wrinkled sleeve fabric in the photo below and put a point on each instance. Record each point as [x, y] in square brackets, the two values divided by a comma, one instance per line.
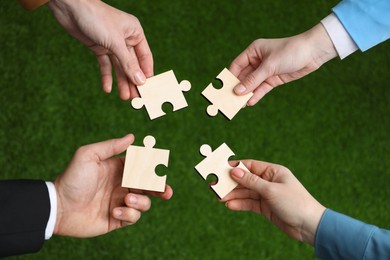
[24, 213]
[367, 21]
[342, 237]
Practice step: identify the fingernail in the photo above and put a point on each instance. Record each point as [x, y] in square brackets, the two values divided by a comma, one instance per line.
[238, 174]
[139, 78]
[117, 212]
[239, 89]
[133, 200]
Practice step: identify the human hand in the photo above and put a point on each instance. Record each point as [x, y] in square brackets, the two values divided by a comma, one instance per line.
[268, 63]
[90, 198]
[116, 38]
[273, 191]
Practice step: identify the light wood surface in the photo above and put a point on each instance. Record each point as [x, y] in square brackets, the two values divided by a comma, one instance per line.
[140, 163]
[216, 162]
[224, 99]
[160, 89]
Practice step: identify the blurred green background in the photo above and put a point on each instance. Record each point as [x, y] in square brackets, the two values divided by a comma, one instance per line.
[330, 128]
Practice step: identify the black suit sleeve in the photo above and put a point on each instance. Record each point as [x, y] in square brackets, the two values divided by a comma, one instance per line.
[24, 212]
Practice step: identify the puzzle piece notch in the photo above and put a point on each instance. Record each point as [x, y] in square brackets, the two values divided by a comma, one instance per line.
[217, 163]
[160, 89]
[224, 99]
[140, 163]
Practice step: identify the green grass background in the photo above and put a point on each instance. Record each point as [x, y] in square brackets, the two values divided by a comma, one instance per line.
[330, 128]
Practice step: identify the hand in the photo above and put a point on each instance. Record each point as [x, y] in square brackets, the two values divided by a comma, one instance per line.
[116, 38]
[273, 191]
[90, 198]
[268, 63]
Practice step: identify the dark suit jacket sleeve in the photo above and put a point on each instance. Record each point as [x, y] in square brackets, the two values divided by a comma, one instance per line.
[24, 213]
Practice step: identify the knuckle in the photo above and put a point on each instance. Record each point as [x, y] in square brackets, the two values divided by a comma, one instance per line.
[132, 65]
[83, 151]
[256, 42]
[253, 180]
[137, 23]
[269, 190]
[250, 81]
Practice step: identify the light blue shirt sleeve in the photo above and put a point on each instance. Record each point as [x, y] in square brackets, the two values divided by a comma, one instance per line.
[342, 237]
[366, 21]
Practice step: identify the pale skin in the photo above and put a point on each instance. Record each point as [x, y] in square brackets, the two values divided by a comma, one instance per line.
[273, 191]
[268, 63]
[91, 201]
[116, 38]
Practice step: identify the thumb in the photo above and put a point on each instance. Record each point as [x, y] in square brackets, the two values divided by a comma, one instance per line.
[248, 180]
[252, 80]
[107, 149]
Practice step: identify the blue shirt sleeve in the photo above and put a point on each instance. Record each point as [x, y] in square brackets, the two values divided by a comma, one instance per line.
[342, 237]
[366, 21]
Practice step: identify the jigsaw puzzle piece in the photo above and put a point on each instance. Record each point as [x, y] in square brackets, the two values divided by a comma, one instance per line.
[217, 163]
[140, 163]
[160, 89]
[224, 99]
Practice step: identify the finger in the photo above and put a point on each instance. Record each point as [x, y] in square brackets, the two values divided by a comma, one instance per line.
[244, 205]
[133, 92]
[166, 195]
[132, 88]
[138, 202]
[145, 57]
[258, 167]
[248, 180]
[240, 63]
[234, 163]
[129, 63]
[105, 72]
[253, 80]
[245, 72]
[122, 81]
[241, 193]
[129, 215]
[107, 149]
[259, 93]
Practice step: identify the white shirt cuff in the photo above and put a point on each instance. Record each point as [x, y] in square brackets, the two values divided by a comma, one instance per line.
[341, 40]
[53, 210]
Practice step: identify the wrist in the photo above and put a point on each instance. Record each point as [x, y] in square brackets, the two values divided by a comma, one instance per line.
[59, 211]
[310, 224]
[323, 48]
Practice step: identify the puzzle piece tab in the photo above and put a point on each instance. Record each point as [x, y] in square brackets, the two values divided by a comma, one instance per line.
[139, 171]
[217, 163]
[224, 99]
[160, 89]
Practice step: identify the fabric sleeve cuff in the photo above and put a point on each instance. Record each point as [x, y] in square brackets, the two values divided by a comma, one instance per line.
[53, 210]
[341, 237]
[341, 39]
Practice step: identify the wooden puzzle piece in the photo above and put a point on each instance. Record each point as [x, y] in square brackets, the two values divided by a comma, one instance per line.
[224, 99]
[160, 89]
[140, 163]
[217, 163]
